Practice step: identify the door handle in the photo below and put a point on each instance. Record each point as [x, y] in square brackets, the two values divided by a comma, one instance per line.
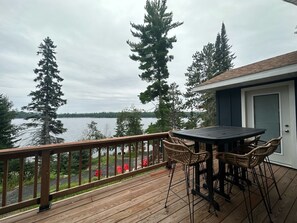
[287, 130]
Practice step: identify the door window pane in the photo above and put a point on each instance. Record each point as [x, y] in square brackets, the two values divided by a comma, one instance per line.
[267, 116]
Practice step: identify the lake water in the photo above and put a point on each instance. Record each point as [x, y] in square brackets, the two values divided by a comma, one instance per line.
[76, 128]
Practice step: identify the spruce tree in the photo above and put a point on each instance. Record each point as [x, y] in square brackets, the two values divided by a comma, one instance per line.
[175, 106]
[152, 54]
[223, 56]
[8, 131]
[47, 97]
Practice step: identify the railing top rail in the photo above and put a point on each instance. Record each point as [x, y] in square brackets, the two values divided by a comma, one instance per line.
[83, 144]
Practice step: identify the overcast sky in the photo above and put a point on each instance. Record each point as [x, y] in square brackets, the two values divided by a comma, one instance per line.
[93, 56]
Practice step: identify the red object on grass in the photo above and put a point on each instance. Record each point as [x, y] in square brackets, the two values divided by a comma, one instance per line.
[126, 167]
[144, 162]
[97, 173]
[119, 169]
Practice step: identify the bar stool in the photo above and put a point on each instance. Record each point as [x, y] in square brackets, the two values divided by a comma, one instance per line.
[179, 153]
[190, 145]
[275, 142]
[251, 161]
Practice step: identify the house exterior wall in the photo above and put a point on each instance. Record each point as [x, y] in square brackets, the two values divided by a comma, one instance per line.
[228, 105]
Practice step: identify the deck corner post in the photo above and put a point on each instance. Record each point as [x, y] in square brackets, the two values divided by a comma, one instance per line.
[45, 181]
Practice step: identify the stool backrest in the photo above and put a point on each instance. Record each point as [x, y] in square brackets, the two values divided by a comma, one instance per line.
[177, 140]
[258, 154]
[275, 142]
[172, 138]
[180, 153]
[248, 160]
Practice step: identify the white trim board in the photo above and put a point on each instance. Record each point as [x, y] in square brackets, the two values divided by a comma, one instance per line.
[250, 79]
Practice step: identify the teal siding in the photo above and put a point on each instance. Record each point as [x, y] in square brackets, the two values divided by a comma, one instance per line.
[229, 107]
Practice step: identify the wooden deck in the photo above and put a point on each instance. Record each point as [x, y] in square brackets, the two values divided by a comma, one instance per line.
[141, 199]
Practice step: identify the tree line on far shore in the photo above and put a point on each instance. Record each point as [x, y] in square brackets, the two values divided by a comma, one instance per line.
[144, 114]
[24, 115]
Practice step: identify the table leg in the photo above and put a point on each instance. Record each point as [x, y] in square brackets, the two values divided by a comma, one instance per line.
[209, 178]
[197, 171]
[222, 171]
[222, 175]
[209, 167]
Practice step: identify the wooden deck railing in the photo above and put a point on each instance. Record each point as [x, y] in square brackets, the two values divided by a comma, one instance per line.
[37, 175]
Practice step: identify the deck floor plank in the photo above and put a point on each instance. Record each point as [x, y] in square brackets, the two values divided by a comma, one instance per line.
[141, 199]
[284, 178]
[284, 206]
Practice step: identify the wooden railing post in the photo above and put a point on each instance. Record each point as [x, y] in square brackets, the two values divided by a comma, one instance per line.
[4, 184]
[45, 181]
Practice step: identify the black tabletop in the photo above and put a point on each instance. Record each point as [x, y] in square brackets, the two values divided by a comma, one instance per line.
[218, 134]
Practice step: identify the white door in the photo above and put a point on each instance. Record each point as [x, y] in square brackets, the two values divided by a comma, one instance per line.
[273, 107]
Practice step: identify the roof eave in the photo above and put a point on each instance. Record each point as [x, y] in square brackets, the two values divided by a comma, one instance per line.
[291, 1]
[251, 79]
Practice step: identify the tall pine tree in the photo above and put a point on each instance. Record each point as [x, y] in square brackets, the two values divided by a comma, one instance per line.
[152, 54]
[47, 97]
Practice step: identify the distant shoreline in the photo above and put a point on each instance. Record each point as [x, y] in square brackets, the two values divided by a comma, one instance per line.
[23, 115]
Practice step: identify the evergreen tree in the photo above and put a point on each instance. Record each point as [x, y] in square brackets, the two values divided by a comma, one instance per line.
[162, 114]
[193, 120]
[217, 56]
[134, 126]
[208, 109]
[176, 106]
[223, 56]
[223, 61]
[201, 69]
[8, 131]
[92, 132]
[152, 53]
[47, 97]
[129, 123]
[211, 61]
[121, 124]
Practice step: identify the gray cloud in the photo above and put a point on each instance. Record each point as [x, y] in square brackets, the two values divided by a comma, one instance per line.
[93, 56]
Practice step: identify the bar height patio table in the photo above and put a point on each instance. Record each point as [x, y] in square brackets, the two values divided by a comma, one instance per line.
[222, 137]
